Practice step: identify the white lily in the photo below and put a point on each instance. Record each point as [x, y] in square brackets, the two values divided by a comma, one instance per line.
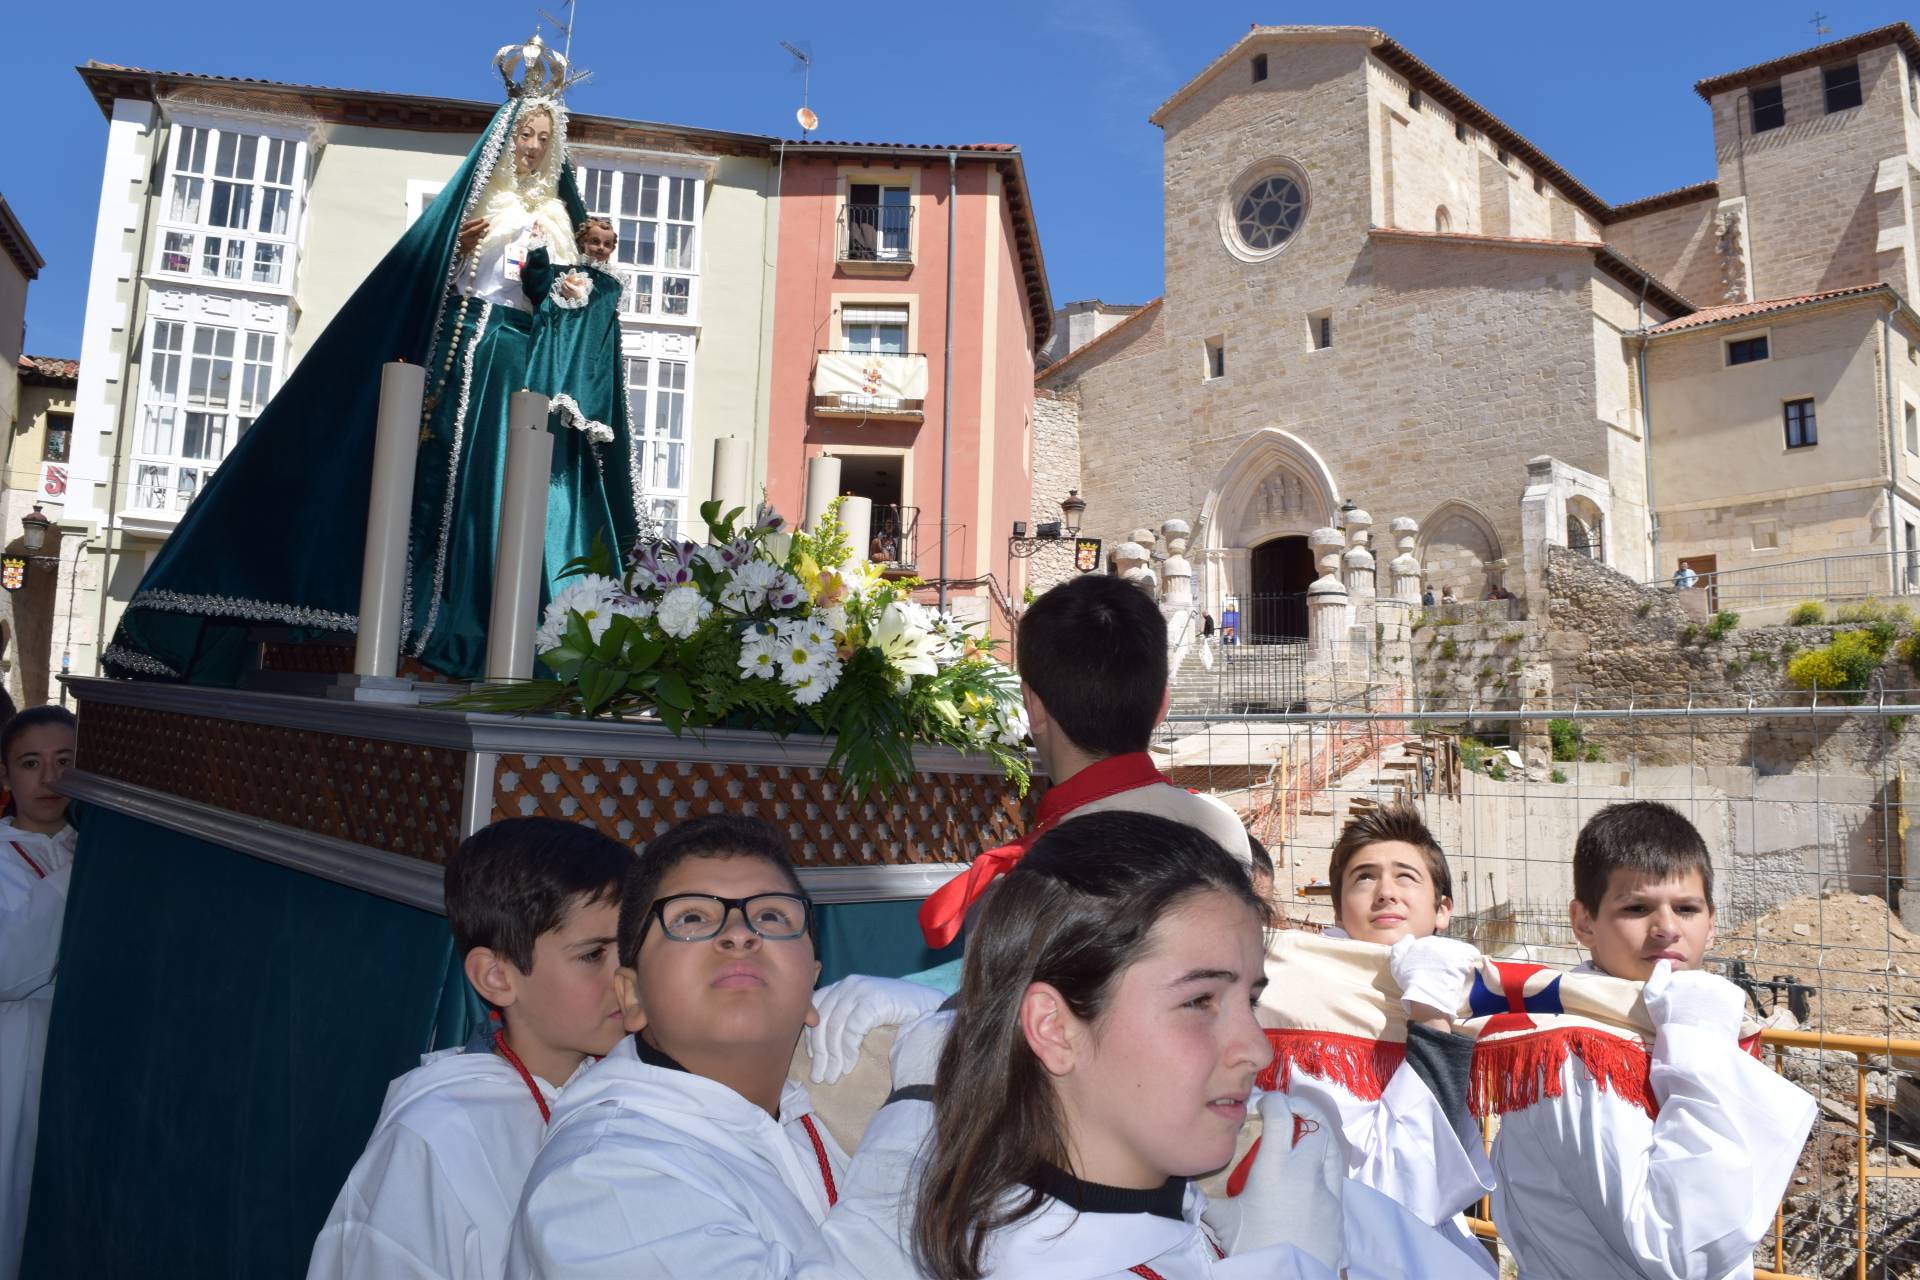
[904, 639]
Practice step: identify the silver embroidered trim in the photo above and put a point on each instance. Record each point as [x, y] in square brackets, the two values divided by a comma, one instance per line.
[633, 448]
[483, 172]
[574, 416]
[133, 660]
[453, 474]
[243, 607]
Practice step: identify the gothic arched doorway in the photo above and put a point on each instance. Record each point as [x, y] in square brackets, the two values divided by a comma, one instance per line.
[1276, 611]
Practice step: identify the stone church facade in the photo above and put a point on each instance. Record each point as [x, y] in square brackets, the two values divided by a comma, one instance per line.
[1379, 293]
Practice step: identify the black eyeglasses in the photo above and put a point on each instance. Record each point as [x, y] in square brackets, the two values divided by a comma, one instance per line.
[697, 917]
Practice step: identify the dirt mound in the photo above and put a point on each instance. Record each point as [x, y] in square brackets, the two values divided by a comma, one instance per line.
[1862, 963]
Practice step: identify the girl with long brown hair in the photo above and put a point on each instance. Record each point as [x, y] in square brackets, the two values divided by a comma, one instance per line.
[1101, 1056]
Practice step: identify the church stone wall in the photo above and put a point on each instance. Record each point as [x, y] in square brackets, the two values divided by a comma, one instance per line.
[1450, 364]
[1678, 246]
[1810, 184]
[1056, 469]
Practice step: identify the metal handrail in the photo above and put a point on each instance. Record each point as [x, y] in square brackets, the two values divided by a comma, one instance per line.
[1847, 576]
[876, 233]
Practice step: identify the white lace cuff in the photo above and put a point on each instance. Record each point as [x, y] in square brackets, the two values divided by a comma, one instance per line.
[573, 416]
[560, 296]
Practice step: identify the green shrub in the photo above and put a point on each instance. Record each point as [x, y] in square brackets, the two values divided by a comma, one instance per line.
[1419, 621]
[1644, 608]
[1497, 771]
[1808, 613]
[1895, 724]
[1450, 650]
[1722, 623]
[1565, 737]
[1734, 669]
[1512, 637]
[1556, 776]
[1485, 671]
[1473, 753]
[1908, 651]
[1788, 648]
[1688, 632]
[1592, 754]
[1870, 611]
[1847, 665]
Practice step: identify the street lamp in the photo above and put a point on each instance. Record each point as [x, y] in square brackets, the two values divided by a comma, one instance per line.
[1073, 506]
[33, 528]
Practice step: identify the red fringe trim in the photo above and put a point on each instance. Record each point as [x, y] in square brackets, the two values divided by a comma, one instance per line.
[1514, 1073]
[1360, 1065]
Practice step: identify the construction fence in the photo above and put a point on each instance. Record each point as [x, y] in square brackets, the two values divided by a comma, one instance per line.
[1803, 805]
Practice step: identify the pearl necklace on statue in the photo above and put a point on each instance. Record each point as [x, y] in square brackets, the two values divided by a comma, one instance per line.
[453, 347]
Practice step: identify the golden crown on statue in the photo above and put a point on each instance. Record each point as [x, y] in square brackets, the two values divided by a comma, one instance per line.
[532, 70]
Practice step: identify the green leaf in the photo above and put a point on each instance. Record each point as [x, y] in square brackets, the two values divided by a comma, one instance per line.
[643, 650]
[673, 691]
[597, 560]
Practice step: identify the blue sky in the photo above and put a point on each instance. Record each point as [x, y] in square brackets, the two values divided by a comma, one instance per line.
[1606, 92]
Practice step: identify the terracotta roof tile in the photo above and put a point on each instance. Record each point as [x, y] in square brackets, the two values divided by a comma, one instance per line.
[1765, 306]
[1689, 194]
[1893, 33]
[49, 367]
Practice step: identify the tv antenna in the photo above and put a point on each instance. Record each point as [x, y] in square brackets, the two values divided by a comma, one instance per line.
[565, 28]
[1819, 23]
[803, 60]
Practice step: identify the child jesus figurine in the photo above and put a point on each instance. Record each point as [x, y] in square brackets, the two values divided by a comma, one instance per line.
[576, 314]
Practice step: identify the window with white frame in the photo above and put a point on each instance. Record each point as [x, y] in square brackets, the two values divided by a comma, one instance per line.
[230, 211]
[657, 392]
[204, 386]
[657, 217]
[865, 327]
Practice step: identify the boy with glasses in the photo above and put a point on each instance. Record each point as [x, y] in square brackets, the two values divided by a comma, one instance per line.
[687, 1152]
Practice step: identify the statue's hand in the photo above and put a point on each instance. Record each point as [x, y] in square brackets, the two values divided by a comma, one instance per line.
[472, 231]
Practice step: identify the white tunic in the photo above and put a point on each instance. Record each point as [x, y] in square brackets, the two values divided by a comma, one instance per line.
[34, 873]
[1592, 1188]
[649, 1171]
[435, 1191]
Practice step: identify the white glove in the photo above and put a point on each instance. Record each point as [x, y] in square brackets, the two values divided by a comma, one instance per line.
[1693, 998]
[854, 1006]
[1433, 971]
[1292, 1195]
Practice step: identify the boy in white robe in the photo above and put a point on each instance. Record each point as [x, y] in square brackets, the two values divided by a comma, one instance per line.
[688, 1152]
[36, 863]
[1681, 1183]
[1410, 1134]
[1093, 675]
[534, 905]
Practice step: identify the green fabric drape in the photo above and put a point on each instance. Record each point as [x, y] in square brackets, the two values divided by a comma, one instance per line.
[223, 1033]
[278, 533]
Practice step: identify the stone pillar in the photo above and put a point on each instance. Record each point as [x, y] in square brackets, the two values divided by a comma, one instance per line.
[1327, 600]
[1132, 562]
[1540, 515]
[1178, 570]
[1358, 562]
[1327, 620]
[1405, 567]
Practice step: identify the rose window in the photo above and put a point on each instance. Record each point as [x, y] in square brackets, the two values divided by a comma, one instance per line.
[1269, 213]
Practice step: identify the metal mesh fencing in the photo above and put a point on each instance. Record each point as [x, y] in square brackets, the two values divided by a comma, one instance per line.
[1802, 804]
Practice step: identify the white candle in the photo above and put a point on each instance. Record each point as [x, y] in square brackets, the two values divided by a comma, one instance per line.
[730, 487]
[856, 517]
[823, 485]
[519, 550]
[383, 564]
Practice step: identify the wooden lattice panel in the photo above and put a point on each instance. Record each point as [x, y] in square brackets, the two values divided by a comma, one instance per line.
[938, 817]
[386, 795]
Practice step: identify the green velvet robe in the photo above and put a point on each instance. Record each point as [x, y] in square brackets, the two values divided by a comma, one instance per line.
[277, 536]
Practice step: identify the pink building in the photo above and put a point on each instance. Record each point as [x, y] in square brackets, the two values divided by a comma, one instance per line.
[860, 345]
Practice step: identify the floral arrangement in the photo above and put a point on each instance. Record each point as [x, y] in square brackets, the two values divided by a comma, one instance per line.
[764, 628]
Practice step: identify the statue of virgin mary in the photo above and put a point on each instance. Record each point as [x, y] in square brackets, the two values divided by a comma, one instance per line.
[277, 535]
